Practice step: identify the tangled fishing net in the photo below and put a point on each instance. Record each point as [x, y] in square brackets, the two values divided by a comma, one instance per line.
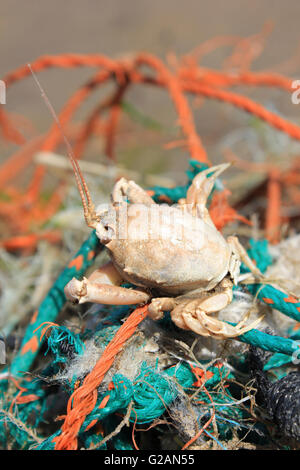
[107, 377]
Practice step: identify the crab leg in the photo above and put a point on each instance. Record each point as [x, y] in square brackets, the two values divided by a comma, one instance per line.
[220, 330]
[240, 251]
[184, 317]
[199, 191]
[160, 305]
[102, 287]
[194, 315]
[106, 274]
[202, 184]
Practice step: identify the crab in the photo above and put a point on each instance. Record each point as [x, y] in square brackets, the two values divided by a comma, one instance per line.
[188, 272]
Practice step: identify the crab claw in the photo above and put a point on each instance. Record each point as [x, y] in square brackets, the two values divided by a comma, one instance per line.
[75, 290]
[101, 293]
[203, 184]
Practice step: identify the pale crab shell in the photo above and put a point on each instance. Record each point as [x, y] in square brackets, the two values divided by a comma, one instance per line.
[190, 254]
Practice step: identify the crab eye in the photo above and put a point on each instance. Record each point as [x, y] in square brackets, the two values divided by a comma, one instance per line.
[110, 231]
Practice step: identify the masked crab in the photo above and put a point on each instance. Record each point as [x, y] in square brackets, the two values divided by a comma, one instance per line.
[188, 270]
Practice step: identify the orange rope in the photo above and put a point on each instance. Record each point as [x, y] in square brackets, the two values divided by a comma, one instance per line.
[25, 242]
[19, 399]
[62, 61]
[222, 213]
[186, 120]
[19, 160]
[178, 78]
[54, 135]
[84, 399]
[8, 129]
[246, 104]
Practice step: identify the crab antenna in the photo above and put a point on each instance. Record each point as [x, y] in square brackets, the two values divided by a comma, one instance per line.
[88, 206]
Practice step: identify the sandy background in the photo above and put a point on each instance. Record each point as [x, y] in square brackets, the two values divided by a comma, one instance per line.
[30, 28]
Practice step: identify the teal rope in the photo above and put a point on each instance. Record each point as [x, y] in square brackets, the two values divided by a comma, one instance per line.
[61, 334]
[53, 303]
[151, 392]
[276, 299]
[268, 294]
[269, 342]
[284, 348]
[179, 192]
